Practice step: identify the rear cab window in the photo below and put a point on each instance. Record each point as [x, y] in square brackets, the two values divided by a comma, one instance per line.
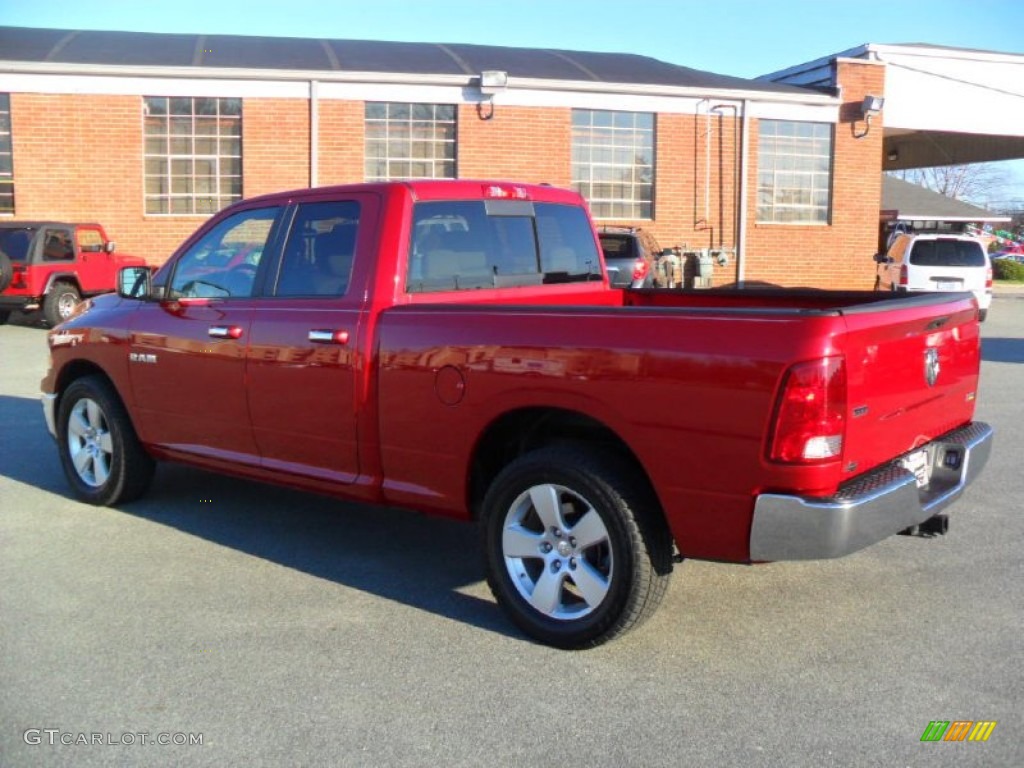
[16, 241]
[475, 244]
[947, 252]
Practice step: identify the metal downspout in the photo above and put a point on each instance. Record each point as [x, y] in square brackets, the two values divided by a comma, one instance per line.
[741, 219]
[314, 132]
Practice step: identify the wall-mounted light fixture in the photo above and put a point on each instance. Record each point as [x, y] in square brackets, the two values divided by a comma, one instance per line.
[869, 108]
[492, 81]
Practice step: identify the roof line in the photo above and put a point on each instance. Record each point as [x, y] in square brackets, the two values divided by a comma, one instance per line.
[197, 52]
[803, 96]
[61, 44]
[332, 57]
[569, 60]
[456, 58]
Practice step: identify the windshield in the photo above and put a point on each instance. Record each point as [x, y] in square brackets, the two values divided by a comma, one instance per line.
[15, 242]
[947, 252]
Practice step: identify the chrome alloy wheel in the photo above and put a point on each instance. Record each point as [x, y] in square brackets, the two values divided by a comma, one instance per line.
[557, 551]
[89, 442]
[66, 304]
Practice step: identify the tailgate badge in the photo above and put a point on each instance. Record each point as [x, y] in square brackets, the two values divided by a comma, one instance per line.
[931, 366]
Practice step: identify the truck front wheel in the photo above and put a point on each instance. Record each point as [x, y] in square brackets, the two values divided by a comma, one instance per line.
[575, 552]
[99, 450]
[60, 302]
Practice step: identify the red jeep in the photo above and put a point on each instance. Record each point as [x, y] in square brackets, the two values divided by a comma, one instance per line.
[54, 265]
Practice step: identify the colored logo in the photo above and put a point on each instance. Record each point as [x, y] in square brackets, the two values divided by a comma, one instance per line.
[958, 730]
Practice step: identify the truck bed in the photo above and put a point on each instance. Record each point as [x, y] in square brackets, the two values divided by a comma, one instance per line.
[714, 361]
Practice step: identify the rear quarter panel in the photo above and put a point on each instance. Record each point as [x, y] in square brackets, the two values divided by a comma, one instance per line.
[690, 393]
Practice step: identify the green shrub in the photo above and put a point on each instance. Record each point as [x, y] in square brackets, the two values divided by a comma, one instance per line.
[1008, 269]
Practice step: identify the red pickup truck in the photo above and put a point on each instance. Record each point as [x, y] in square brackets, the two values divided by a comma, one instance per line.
[53, 265]
[454, 347]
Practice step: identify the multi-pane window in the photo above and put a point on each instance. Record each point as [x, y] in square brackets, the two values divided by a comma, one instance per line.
[193, 154]
[6, 156]
[794, 172]
[613, 162]
[409, 141]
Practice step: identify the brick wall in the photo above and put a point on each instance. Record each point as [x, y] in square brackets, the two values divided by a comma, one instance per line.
[275, 145]
[341, 144]
[80, 157]
[517, 143]
[837, 255]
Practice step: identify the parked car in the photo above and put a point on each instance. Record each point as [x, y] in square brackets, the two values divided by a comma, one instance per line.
[629, 256]
[936, 262]
[1012, 252]
[495, 375]
[55, 265]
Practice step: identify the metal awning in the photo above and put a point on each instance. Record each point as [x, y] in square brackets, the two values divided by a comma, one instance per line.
[943, 106]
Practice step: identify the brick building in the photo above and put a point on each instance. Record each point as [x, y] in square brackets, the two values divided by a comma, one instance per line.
[150, 133]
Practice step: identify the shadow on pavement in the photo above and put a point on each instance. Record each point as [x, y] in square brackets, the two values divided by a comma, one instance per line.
[1002, 350]
[403, 556]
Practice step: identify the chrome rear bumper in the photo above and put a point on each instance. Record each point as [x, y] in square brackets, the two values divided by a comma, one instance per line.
[870, 508]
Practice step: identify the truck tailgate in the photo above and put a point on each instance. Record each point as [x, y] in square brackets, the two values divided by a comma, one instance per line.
[912, 376]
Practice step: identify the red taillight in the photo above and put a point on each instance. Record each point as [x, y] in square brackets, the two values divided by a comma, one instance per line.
[640, 269]
[904, 278]
[811, 415]
[18, 278]
[988, 277]
[505, 192]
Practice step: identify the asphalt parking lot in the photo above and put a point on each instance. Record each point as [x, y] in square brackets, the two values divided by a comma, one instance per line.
[288, 629]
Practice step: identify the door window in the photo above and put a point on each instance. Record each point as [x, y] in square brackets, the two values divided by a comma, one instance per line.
[57, 246]
[223, 263]
[318, 256]
[90, 240]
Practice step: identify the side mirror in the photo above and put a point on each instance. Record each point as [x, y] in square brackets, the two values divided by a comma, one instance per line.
[881, 258]
[110, 246]
[135, 282]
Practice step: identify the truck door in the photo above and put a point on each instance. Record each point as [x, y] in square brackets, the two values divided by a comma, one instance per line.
[303, 357]
[187, 352]
[95, 265]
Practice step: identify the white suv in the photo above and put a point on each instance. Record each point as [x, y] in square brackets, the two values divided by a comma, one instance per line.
[936, 262]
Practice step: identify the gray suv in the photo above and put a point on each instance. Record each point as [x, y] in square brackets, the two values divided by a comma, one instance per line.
[629, 256]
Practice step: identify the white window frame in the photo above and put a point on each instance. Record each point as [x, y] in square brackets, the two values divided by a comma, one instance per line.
[410, 140]
[7, 151]
[207, 136]
[614, 162]
[794, 172]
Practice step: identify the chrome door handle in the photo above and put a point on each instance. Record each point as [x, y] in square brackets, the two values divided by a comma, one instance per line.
[328, 336]
[225, 331]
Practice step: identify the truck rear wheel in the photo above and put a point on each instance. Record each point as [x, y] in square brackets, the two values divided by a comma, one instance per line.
[101, 455]
[575, 555]
[5, 315]
[60, 302]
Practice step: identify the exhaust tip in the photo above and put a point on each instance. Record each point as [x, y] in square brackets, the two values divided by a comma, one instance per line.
[937, 525]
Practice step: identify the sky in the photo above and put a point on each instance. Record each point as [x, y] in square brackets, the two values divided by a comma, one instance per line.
[744, 38]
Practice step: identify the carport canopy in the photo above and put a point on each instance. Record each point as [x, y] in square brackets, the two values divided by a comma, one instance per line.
[943, 106]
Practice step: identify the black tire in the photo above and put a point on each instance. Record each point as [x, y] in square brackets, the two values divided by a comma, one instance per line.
[6, 271]
[625, 562]
[982, 314]
[93, 429]
[60, 302]
[5, 315]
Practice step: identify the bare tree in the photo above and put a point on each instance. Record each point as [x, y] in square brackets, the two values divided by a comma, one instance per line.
[977, 183]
